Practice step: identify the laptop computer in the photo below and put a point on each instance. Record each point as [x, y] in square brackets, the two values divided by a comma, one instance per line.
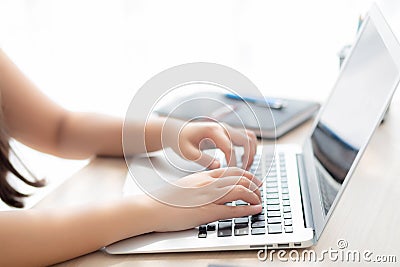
[302, 184]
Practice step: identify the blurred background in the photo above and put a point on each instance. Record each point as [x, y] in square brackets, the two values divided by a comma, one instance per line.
[92, 55]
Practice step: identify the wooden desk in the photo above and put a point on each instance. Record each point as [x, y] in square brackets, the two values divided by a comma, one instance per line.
[366, 217]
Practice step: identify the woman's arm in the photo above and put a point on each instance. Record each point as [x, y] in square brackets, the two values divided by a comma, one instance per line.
[44, 237]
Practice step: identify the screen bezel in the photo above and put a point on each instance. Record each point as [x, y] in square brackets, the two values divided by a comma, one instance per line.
[318, 215]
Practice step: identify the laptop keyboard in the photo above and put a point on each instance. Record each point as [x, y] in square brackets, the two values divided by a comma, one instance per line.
[276, 215]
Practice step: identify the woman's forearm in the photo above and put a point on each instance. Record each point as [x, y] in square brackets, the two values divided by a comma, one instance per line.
[82, 135]
[43, 237]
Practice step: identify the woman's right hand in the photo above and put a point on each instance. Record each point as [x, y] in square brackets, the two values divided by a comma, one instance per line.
[213, 188]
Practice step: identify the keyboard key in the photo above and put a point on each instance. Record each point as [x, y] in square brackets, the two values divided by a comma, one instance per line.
[258, 224]
[202, 231]
[272, 195]
[285, 196]
[284, 184]
[258, 231]
[224, 224]
[287, 215]
[286, 202]
[274, 229]
[272, 190]
[241, 203]
[273, 208]
[226, 220]
[285, 191]
[273, 201]
[202, 228]
[288, 222]
[274, 214]
[288, 229]
[271, 184]
[241, 229]
[228, 204]
[286, 209]
[271, 169]
[274, 220]
[224, 229]
[257, 217]
[242, 220]
[211, 227]
[202, 235]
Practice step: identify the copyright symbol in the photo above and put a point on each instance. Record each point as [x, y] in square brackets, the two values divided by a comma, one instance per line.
[342, 244]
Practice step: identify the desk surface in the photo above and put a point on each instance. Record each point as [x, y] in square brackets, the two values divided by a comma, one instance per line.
[366, 216]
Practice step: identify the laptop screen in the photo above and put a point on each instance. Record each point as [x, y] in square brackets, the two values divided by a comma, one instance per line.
[352, 111]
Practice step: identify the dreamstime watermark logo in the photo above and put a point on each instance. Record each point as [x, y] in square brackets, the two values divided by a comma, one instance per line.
[179, 93]
[339, 254]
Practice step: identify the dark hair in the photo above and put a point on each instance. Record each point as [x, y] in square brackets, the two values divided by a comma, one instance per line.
[9, 194]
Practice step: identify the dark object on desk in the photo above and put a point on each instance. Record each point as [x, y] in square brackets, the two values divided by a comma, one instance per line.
[215, 106]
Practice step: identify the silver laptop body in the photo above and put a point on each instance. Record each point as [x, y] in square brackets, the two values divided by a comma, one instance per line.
[303, 183]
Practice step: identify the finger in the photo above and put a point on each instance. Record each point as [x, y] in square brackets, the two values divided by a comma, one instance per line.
[253, 145]
[223, 142]
[248, 156]
[239, 192]
[250, 149]
[208, 161]
[232, 180]
[255, 141]
[241, 138]
[233, 171]
[238, 173]
[254, 138]
[202, 158]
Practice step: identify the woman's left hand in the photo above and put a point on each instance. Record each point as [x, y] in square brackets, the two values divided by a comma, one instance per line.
[197, 136]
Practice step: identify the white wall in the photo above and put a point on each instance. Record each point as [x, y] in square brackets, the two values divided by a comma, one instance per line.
[93, 54]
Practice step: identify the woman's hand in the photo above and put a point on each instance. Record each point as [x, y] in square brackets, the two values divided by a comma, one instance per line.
[197, 136]
[213, 188]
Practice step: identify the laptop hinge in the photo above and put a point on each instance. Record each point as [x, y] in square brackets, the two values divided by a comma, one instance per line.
[305, 195]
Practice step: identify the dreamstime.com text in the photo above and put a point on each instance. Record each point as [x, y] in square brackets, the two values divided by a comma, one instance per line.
[339, 254]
